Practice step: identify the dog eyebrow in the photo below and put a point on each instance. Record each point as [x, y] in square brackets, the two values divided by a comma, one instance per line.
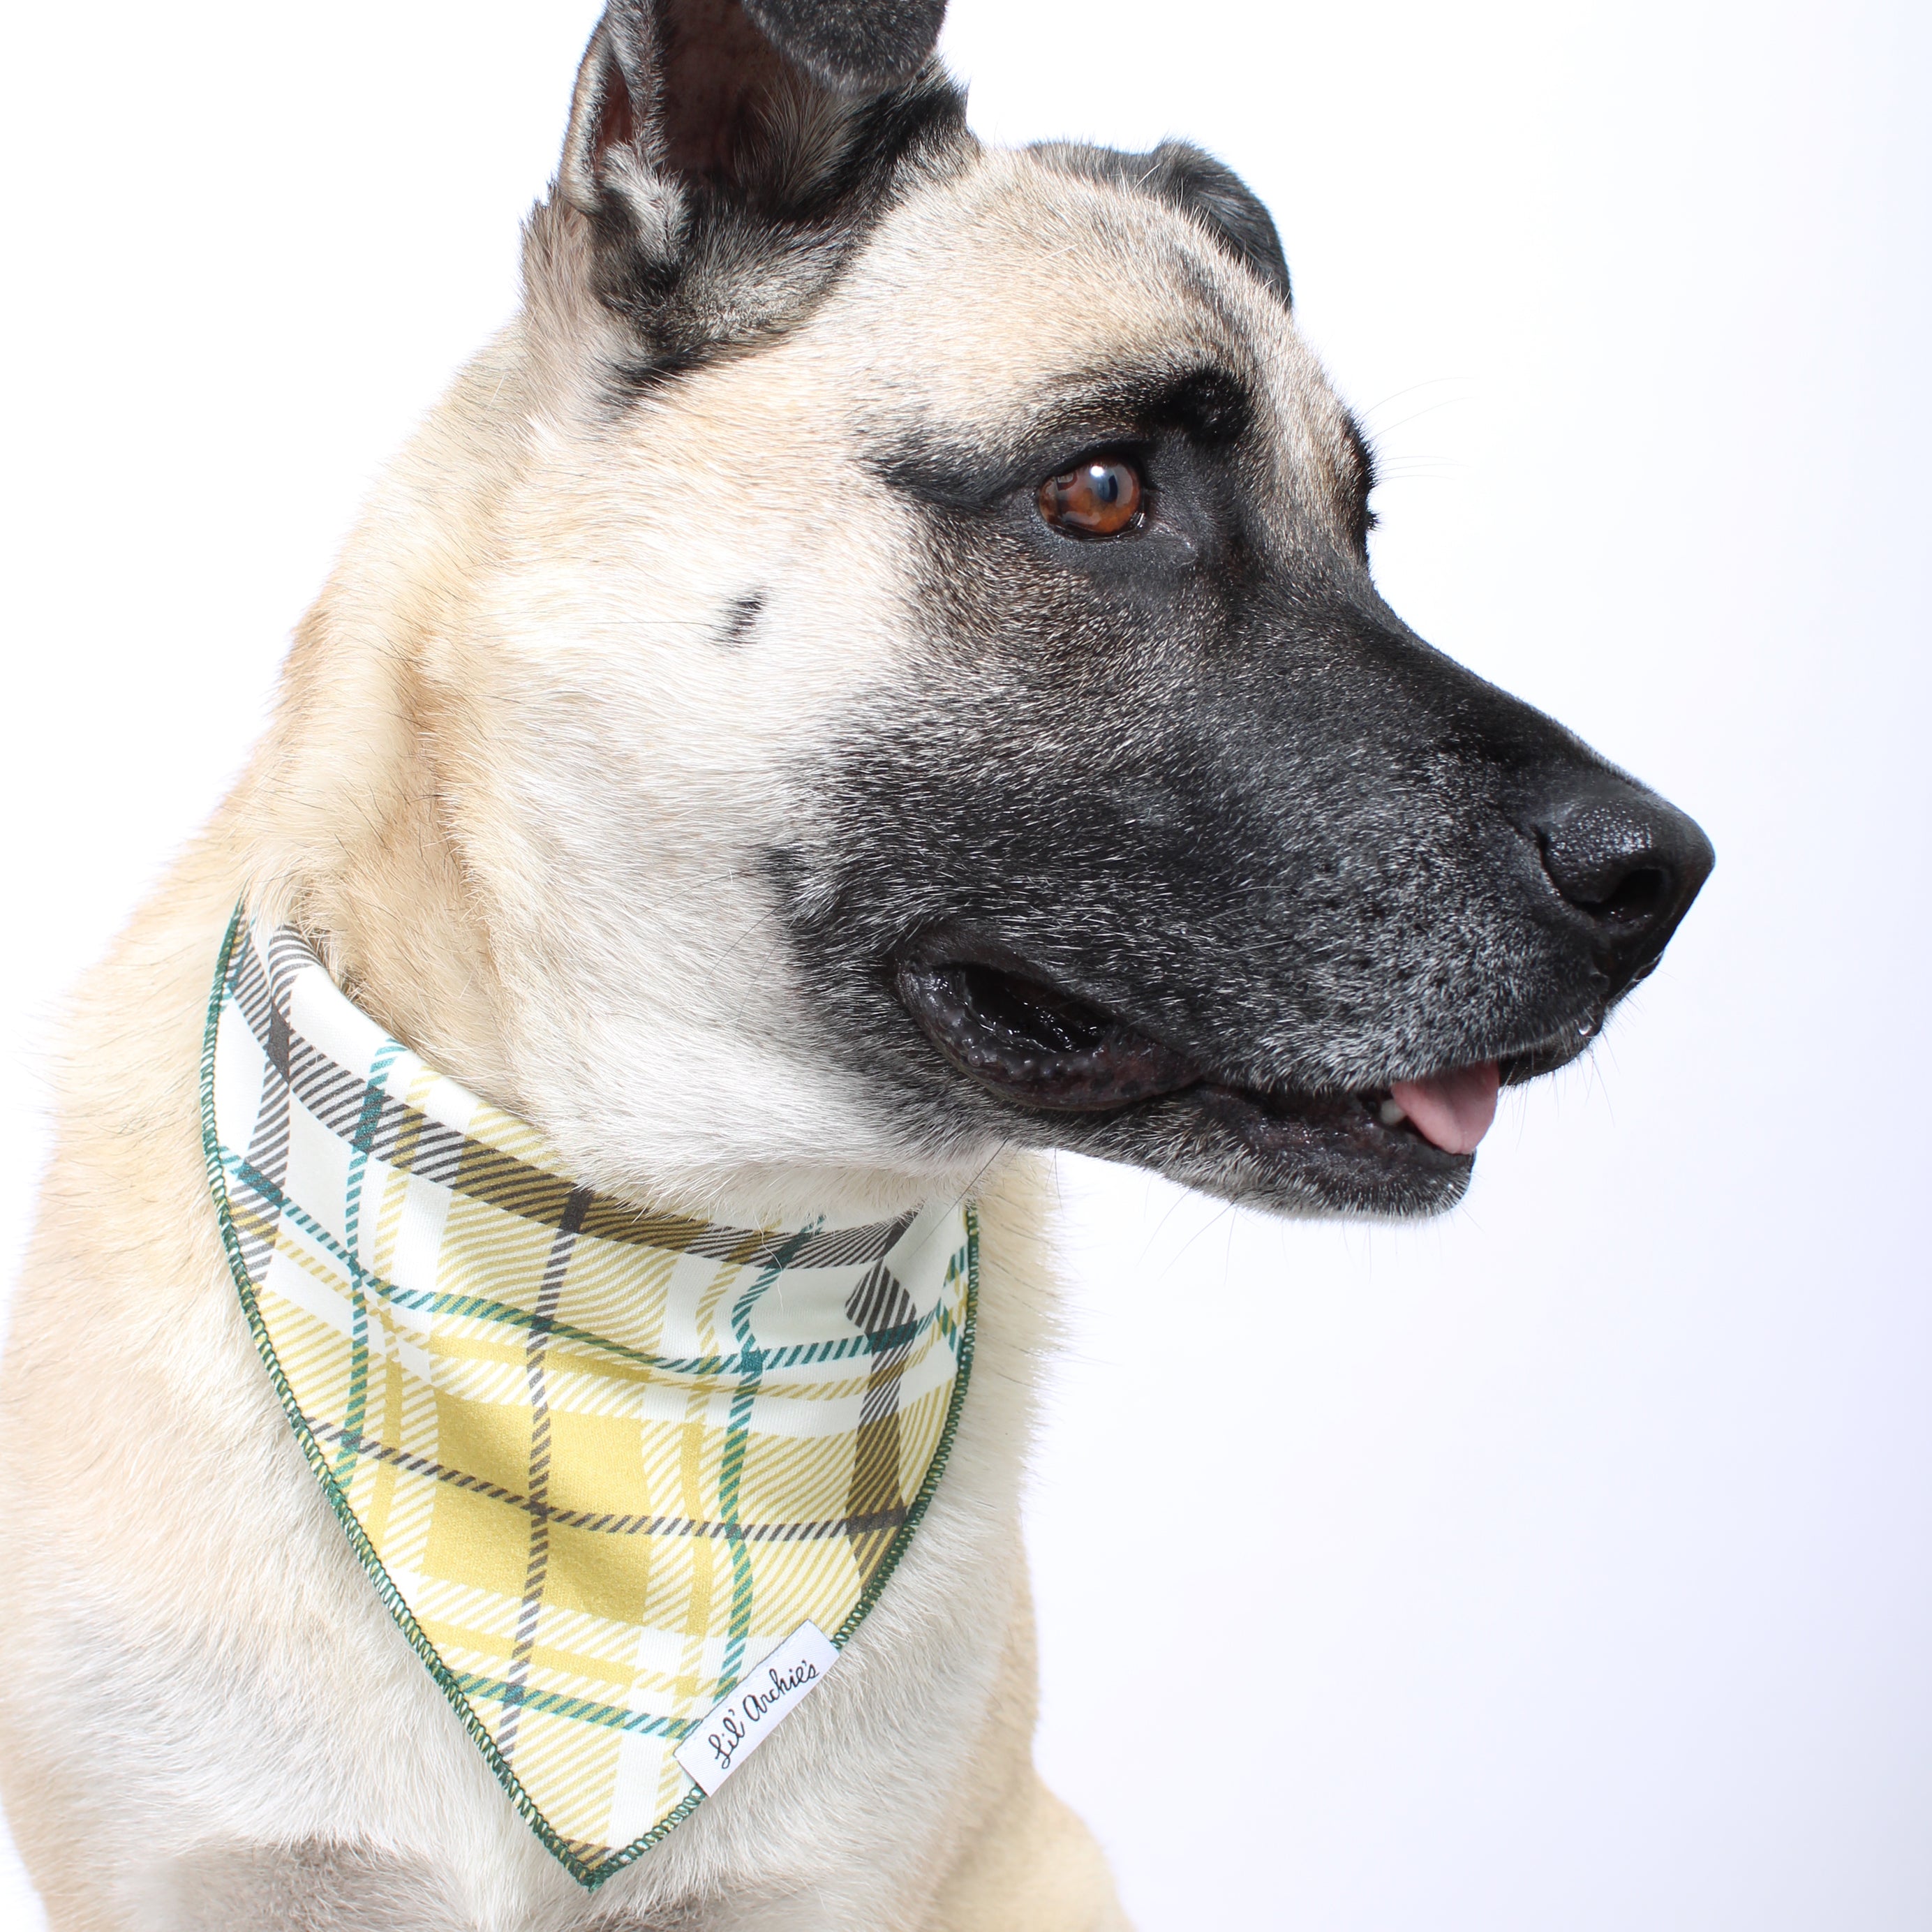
[960, 468]
[1204, 402]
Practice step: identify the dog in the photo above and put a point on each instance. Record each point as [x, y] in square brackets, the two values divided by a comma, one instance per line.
[872, 677]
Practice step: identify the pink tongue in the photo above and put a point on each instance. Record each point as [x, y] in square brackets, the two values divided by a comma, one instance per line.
[1453, 1110]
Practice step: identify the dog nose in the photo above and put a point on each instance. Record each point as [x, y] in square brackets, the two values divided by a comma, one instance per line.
[1629, 865]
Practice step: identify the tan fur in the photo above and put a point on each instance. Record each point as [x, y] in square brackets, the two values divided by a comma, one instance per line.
[513, 785]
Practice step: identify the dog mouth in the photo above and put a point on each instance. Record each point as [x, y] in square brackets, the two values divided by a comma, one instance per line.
[1409, 1145]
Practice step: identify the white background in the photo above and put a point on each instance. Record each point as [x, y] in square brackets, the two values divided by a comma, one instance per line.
[1583, 1537]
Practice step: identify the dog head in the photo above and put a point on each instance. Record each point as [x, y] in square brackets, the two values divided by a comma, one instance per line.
[923, 690]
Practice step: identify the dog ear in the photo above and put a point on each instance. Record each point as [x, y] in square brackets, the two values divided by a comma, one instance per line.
[675, 93]
[1180, 174]
[724, 152]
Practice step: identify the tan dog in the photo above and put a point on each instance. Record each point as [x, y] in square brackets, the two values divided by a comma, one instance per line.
[875, 672]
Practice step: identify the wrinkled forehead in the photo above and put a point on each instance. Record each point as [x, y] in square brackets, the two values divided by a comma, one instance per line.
[1002, 303]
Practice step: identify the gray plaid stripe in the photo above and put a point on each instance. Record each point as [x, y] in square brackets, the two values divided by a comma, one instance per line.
[881, 1305]
[269, 1142]
[536, 1346]
[325, 1431]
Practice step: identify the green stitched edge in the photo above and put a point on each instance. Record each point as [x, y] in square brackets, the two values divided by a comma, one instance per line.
[588, 1875]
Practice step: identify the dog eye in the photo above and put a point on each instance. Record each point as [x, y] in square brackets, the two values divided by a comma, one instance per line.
[1100, 498]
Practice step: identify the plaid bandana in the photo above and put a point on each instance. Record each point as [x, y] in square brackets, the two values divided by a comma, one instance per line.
[607, 1468]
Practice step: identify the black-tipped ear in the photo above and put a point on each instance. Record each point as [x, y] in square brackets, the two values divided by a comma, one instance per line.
[669, 90]
[1180, 172]
[687, 89]
[859, 47]
[725, 155]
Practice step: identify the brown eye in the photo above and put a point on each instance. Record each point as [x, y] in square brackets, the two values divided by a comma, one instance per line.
[1098, 499]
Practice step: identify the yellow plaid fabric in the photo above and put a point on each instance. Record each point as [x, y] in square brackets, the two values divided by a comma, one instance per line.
[597, 1462]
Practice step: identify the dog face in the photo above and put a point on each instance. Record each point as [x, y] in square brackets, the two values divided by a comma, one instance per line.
[933, 692]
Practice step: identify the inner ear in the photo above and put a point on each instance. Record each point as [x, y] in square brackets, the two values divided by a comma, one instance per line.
[617, 118]
[721, 77]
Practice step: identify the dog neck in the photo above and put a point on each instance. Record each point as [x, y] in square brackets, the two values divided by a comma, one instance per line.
[351, 835]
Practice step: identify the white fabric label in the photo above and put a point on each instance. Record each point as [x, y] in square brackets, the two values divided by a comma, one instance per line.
[764, 1697]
